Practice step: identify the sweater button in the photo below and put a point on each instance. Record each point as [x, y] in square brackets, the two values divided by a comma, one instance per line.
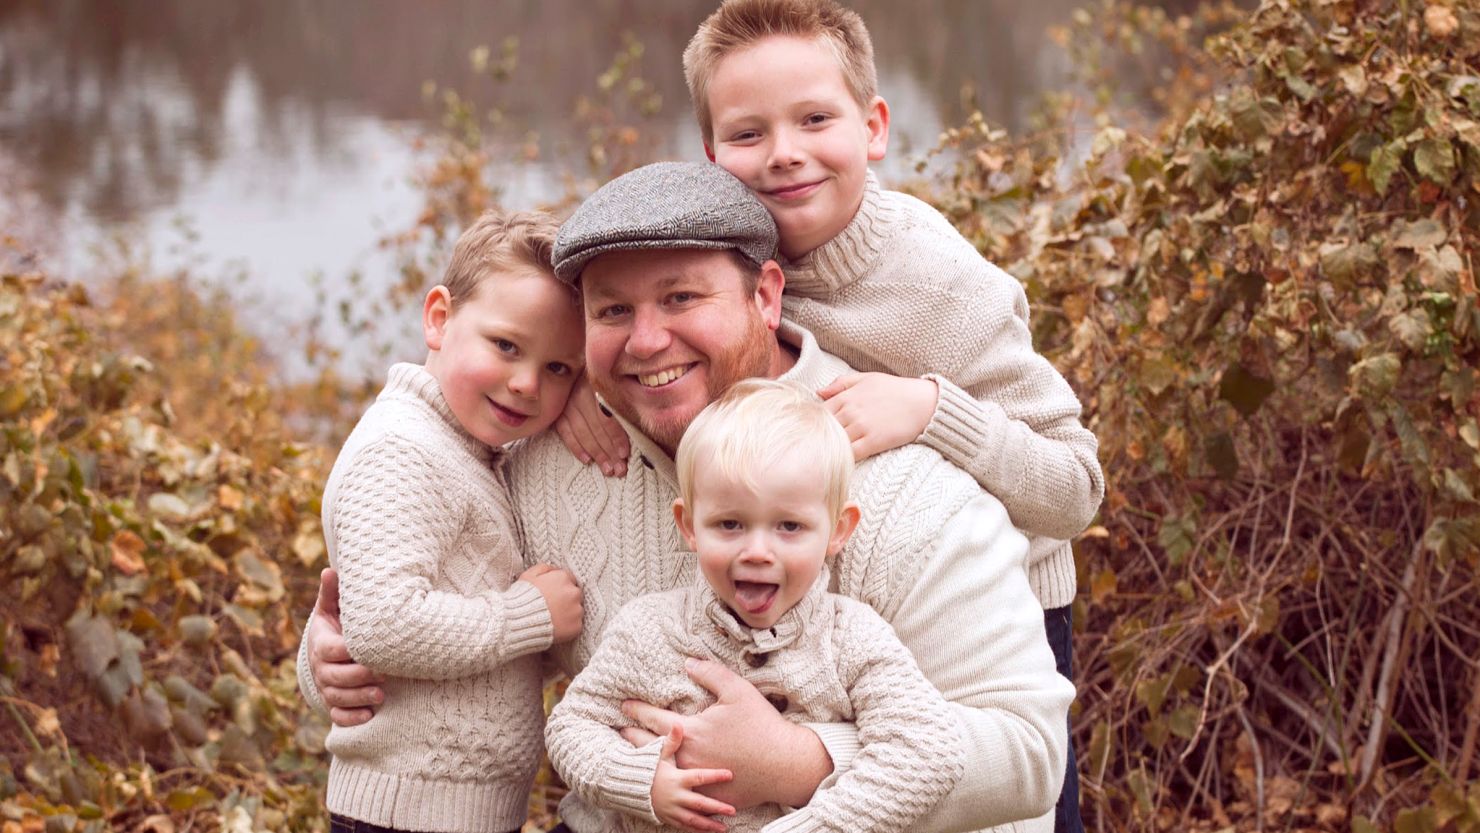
[779, 701]
[757, 660]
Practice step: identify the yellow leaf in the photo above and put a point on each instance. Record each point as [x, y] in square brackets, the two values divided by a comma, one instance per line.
[48, 724]
[1440, 21]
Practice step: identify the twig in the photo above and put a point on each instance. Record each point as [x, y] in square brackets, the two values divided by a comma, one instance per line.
[1258, 769]
[1472, 729]
[1377, 730]
[21, 721]
[1212, 672]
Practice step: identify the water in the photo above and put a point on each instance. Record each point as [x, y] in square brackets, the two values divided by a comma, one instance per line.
[273, 142]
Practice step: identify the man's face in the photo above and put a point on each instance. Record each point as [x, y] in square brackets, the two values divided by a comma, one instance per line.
[667, 331]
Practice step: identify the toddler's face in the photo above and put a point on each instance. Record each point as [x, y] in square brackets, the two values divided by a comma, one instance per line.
[786, 125]
[761, 549]
[507, 357]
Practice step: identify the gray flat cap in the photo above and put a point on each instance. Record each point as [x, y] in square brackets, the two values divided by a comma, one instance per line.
[667, 205]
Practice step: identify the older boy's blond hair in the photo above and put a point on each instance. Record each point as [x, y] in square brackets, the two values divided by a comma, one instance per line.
[738, 24]
[496, 242]
[755, 425]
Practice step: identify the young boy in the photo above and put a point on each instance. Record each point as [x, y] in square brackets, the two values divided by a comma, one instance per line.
[785, 92]
[433, 592]
[763, 477]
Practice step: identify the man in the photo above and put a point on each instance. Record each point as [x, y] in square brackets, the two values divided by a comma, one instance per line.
[682, 299]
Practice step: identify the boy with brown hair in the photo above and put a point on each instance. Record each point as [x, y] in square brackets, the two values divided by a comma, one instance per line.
[786, 95]
[420, 528]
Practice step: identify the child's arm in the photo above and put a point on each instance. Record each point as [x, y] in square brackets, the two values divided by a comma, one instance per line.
[395, 515]
[1003, 413]
[912, 752]
[589, 431]
[585, 747]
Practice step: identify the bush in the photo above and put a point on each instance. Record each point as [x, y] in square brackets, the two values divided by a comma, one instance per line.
[1269, 308]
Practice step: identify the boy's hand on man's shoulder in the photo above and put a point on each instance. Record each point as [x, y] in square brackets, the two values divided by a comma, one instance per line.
[880, 411]
[562, 597]
[590, 432]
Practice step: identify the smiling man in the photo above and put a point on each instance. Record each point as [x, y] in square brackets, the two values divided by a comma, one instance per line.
[682, 298]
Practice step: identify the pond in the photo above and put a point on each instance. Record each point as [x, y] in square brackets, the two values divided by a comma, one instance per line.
[274, 142]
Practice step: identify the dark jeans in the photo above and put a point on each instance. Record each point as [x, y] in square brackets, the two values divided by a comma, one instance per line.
[1059, 624]
[340, 824]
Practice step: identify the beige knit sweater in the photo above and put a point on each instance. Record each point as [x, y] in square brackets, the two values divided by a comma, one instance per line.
[936, 556]
[900, 291]
[829, 658]
[418, 522]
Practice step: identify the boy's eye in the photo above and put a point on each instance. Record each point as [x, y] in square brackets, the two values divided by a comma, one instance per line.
[504, 345]
[559, 368]
[790, 526]
[728, 524]
[815, 118]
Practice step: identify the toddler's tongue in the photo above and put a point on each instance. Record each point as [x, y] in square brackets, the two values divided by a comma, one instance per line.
[754, 597]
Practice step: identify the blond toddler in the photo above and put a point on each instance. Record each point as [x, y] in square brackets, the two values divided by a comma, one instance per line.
[763, 478]
[434, 594]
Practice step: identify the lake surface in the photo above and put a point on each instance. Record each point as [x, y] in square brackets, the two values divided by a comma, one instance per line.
[272, 143]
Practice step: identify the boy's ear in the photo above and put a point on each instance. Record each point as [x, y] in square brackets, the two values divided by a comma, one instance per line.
[434, 314]
[876, 118]
[847, 522]
[685, 522]
[709, 151]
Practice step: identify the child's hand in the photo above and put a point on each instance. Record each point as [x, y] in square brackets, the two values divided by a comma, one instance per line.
[674, 801]
[880, 411]
[590, 434]
[562, 597]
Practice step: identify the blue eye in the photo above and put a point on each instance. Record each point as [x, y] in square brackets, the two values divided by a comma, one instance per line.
[504, 345]
[559, 368]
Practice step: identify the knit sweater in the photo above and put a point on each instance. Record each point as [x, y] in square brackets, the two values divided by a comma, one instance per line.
[419, 526]
[900, 291]
[828, 658]
[936, 556]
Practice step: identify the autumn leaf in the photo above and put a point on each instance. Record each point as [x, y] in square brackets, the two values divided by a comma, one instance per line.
[127, 550]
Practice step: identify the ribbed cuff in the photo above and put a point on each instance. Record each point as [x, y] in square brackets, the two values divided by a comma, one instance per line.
[1052, 577]
[955, 429]
[841, 742]
[527, 621]
[306, 685]
[628, 783]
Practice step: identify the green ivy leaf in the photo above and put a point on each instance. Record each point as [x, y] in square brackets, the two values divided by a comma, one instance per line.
[1385, 162]
[1434, 160]
[1244, 389]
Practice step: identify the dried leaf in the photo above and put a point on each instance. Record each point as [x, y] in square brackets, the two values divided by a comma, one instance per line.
[1434, 160]
[127, 551]
[1439, 20]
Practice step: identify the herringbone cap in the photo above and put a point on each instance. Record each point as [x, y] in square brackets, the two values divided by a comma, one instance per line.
[666, 205]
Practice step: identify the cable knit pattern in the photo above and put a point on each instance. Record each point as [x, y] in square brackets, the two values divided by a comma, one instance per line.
[936, 556]
[900, 291]
[419, 526]
[828, 658]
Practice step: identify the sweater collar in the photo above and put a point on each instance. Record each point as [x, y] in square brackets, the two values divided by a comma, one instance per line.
[713, 618]
[848, 256]
[813, 370]
[414, 381]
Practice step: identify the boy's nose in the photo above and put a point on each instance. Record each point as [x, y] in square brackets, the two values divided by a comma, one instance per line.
[757, 550]
[784, 152]
[526, 382]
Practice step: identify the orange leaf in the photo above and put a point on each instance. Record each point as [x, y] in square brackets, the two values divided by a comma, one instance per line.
[128, 552]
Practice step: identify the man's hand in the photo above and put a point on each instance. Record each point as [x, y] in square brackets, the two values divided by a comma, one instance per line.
[880, 411]
[350, 690]
[590, 433]
[770, 758]
[562, 597]
[675, 802]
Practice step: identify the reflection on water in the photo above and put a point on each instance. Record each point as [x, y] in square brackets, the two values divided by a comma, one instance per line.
[279, 133]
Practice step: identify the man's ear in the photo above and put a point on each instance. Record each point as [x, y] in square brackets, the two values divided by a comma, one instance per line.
[434, 314]
[847, 522]
[685, 522]
[768, 293]
[876, 118]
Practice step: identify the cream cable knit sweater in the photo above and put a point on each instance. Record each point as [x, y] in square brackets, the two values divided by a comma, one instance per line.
[419, 526]
[936, 556]
[828, 658]
[900, 291]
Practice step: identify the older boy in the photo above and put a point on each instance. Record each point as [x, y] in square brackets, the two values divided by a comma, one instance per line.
[763, 481]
